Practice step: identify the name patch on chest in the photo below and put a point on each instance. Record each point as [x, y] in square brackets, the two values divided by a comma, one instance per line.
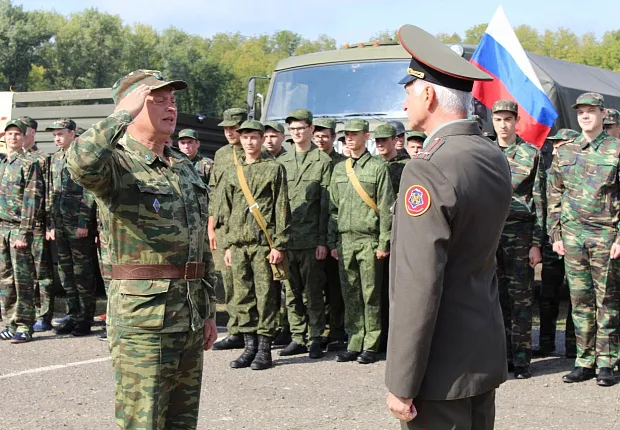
[417, 200]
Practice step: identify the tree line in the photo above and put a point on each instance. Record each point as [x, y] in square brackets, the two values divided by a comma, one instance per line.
[44, 50]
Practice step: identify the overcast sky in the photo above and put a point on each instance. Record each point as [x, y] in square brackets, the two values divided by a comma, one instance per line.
[348, 21]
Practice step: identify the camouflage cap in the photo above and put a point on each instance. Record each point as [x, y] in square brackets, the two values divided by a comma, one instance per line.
[399, 126]
[416, 135]
[79, 131]
[62, 123]
[590, 99]
[152, 78]
[299, 115]
[188, 132]
[275, 125]
[564, 134]
[612, 117]
[505, 106]
[233, 117]
[251, 125]
[385, 131]
[29, 122]
[325, 123]
[356, 125]
[16, 123]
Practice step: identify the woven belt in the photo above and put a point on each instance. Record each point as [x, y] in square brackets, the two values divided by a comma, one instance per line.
[187, 271]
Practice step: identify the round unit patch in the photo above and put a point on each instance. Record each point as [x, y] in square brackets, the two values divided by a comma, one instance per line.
[417, 200]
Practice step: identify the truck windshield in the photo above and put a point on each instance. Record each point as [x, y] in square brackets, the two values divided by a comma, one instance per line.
[340, 90]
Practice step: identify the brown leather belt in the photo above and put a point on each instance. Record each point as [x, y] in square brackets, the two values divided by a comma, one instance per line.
[187, 271]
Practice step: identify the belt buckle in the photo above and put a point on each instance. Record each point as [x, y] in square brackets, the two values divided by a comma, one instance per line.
[195, 271]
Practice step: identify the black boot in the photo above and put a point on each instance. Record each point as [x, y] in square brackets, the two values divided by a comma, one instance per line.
[605, 377]
[283, 338]
[579, 374]
[262, 360]
[232, 341]
[246, 358]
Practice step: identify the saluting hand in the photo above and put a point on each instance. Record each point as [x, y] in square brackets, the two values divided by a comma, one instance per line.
[401, 407]
[134, 101]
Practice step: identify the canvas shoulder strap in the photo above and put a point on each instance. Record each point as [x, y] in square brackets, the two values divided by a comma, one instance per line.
[254, 209]
[358, 187]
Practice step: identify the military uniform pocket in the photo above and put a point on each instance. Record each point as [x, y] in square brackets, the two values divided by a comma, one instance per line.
[142, 303]
[155, 203]
[603, 171]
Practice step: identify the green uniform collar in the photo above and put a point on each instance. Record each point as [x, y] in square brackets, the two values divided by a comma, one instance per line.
[583, 142]
[149, 157]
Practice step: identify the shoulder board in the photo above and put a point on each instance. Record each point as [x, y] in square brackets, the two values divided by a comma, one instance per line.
[432, 147]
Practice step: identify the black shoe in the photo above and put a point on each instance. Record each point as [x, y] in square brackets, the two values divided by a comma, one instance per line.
[579, 374]
[316, 350]
[511, 367]
[337, 345]
[262, 360]
[232, 341]
[248, 354]
[522, 372]
[283, 338]
[543, 351]
[347, 356]
[66, 327]
[103, 335]
[606, 377]
[293, 348]
[81, 329]
[367, 357]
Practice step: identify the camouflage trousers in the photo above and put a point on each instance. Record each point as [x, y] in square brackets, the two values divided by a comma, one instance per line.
[283, 324]
[360, 277]
[256, 298]
[592, 280]
[305, 302]
[158, 378]
[75, 269]
[334, 303]
[17, 275]
[105, 264]
[515, 279]
[549, 303]
[44, 287]
[228, 281]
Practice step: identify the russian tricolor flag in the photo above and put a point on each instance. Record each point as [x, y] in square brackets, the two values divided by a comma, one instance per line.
[501, 55]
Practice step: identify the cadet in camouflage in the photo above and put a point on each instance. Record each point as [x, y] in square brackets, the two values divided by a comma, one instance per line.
[72, 214]
[519, 247]
[584, 204]
[359, 237]
[415, 142]
[21, 191]
[400, 137]
[160, 315]
[256, 296]
[189, 145]
[273, 139]
[612, 123]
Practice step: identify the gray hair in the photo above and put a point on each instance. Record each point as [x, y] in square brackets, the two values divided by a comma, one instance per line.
[449, 100]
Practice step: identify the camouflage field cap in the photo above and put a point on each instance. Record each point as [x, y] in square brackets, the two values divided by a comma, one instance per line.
[299, 115]
[612, 117]
[31, 123]
[356, 125]
[152, 78]
[79, 131]
[16, 123]
[590, 99]
[385, 131]
[233, 117]
[325, 123]
[275, 125]
[59, 124]
[564, 134]
[251, 125]
[188, 132]
[399, 126]
[416, 135]
[505, 106]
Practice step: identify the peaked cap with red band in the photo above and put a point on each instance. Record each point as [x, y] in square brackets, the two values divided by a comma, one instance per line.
[434, 62]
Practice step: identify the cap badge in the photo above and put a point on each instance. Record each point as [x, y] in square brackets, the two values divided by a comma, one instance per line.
[417, 74]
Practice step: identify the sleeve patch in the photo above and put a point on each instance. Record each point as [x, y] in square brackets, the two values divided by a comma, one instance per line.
[417, 200]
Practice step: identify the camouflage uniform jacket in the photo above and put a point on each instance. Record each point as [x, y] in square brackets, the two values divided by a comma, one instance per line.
[526, 171]
[70, 206]
[266, 181]
[203, 166]
[395, 168]
[223, 163]
[336, 157]
[280, 154]
[308, 197]
[350, 215]
[584, 187]
[155, 213]
[21, 191]
[43, 159]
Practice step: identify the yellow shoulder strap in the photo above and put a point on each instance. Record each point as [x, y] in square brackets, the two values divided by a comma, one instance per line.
[358, 187]
[254, 209]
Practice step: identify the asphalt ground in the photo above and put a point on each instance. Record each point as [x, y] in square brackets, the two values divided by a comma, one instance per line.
[62, 382]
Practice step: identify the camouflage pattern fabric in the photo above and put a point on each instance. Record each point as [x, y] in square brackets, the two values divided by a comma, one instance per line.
[203, 166]
[105, 263]
[584, 203]
[395, 168]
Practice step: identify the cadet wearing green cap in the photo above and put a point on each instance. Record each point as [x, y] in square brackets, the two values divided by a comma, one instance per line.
[359, 237]
[385, 140]
[79, 131]
[223, 162]
[160, 316]
[21, 193]
[612, 123]
[273, 139]
[189, 144]
[415, 142]
[583, 216]
[249, 251]
[519, 249]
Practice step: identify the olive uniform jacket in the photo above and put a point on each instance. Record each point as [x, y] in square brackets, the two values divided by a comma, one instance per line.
[446, 336]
